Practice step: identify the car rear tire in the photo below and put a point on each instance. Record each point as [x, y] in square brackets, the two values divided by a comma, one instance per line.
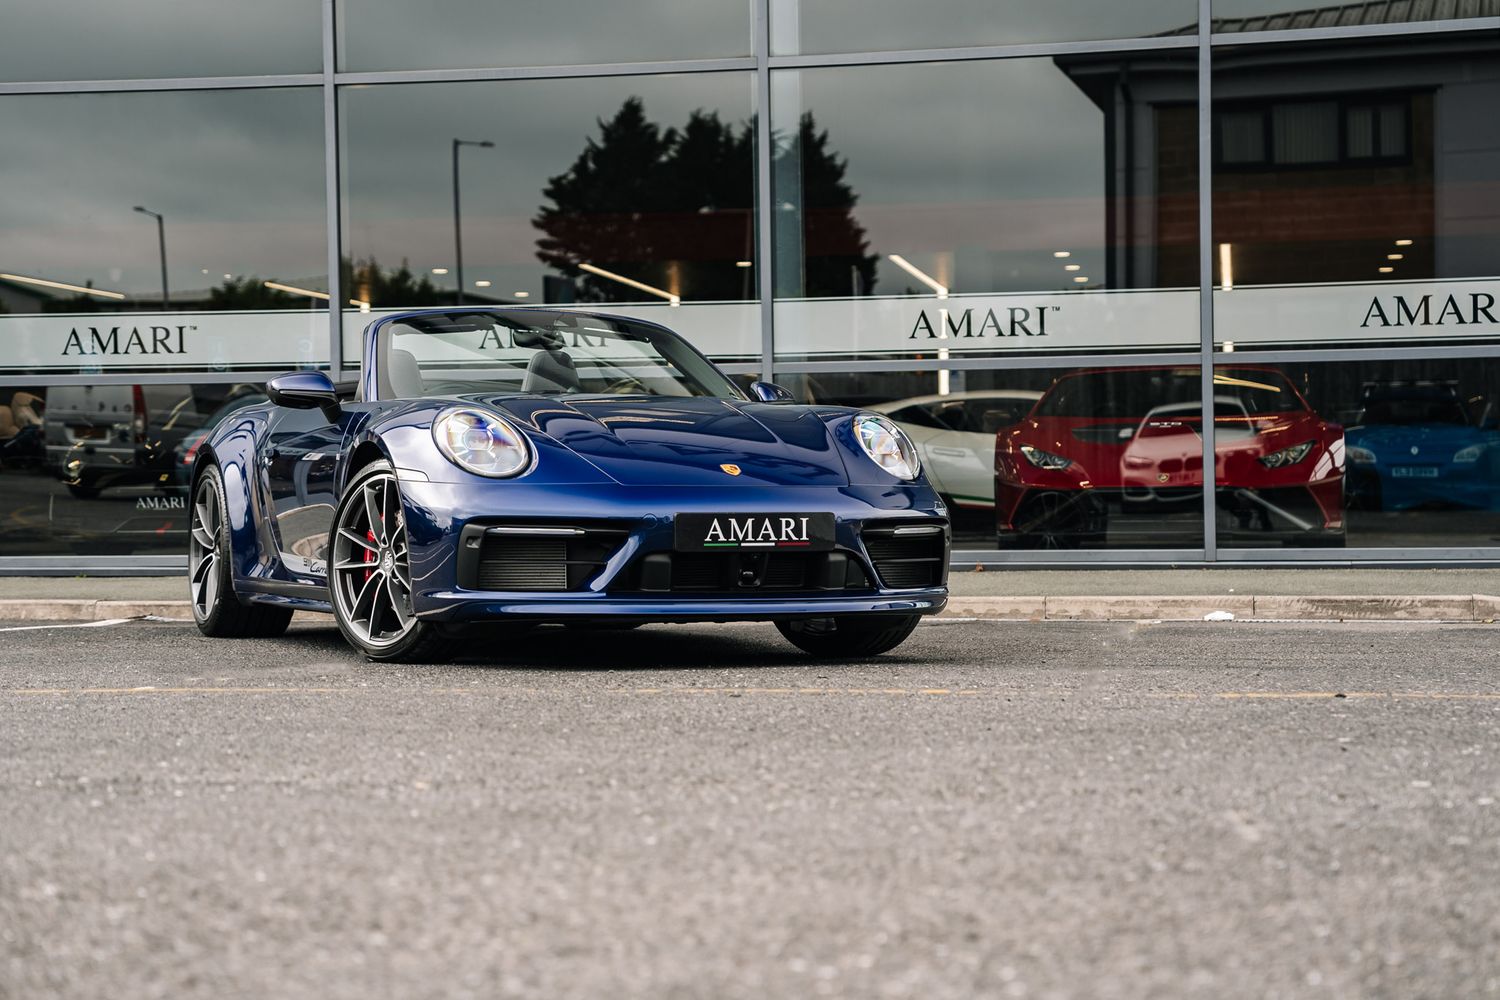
[81, 492]
[369, 578]
[848, 636]
[217, 610]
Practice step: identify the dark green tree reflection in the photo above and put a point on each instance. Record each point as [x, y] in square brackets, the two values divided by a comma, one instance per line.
[674, 208]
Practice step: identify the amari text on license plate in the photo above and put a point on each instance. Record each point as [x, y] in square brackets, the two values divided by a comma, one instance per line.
[723, 532]
[1414, 472]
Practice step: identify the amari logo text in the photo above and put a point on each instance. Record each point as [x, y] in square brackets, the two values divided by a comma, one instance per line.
[756, 532]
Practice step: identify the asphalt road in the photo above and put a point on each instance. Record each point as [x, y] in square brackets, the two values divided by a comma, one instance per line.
[997, 809]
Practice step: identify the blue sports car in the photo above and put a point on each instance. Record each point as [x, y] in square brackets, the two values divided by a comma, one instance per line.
[498, 469]
[1415, 445]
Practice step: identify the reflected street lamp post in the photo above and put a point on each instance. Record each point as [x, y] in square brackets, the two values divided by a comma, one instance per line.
[458, 238]
[161, 242]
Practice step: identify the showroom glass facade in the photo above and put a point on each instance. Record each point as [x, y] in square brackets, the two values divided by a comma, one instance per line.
[1146, 282]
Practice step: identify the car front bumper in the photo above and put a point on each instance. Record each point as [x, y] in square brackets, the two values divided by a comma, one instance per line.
[443, 520]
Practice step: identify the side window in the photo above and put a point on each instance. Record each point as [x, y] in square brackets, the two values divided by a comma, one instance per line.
[920, 416]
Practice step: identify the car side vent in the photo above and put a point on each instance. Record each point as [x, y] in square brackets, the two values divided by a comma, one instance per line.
[536, 557]
[908, 555]
[523, 564]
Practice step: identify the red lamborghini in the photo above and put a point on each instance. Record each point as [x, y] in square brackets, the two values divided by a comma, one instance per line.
[1117, 454]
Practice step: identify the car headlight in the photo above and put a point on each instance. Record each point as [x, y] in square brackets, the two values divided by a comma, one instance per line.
[1470, 454]
[887, 445]
[1359, 456]
[1287, 456]
[481, 443]
[1044, 459]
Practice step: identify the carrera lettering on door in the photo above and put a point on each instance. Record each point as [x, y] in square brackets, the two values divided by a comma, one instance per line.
[757, 532]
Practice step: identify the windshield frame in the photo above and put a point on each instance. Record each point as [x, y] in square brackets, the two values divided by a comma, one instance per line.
[692, 364]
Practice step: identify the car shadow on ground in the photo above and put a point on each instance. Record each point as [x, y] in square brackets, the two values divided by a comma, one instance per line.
[654, 647]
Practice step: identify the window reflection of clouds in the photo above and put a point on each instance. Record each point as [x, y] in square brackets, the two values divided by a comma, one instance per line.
[144, 39]
[457, 34]
[809, 26]
[238, 176]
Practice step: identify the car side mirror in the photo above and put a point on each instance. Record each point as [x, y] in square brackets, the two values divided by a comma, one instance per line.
[305, 391]
[770, 392]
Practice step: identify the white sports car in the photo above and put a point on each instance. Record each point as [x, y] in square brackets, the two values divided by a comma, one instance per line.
[955, 437]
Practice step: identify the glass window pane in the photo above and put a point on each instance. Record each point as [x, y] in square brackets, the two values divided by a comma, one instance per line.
[1398, 454]
[1242, 137]
[808, 26]
[1392, 129]
[103, 469]
[1360, 122]
[1053, 458]
[1305, 132]
[181, 230]
[146, 39]
[1393, 238]
[1282, 15]
[919, 210]
[634, 194]
[462, 34]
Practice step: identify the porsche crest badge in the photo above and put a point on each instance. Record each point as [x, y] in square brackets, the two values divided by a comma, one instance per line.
[733, 470]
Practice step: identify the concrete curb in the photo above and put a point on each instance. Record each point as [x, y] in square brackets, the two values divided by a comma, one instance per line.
[1448, 607]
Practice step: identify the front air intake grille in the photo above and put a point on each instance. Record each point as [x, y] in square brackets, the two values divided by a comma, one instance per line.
[908, 556]
[523, 564]
[536, 557]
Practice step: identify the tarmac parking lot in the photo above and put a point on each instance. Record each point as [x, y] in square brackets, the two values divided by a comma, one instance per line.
[1013, 809]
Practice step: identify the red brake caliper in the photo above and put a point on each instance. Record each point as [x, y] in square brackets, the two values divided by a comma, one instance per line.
[370, 555]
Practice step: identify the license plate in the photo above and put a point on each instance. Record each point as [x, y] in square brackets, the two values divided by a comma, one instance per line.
[88, 432]
[728, 532]
[1414, 472]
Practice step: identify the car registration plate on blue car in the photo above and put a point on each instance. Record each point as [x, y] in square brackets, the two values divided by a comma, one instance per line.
[713, 532]
[1414, 472]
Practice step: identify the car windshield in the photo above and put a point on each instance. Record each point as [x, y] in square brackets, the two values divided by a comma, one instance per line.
[1413, 408]
[1135, 393]
[540, 352]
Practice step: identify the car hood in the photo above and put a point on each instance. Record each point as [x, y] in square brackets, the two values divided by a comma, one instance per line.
[1406, 440]
[686, 441]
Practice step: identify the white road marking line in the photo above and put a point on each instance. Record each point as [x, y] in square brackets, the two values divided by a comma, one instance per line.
[34, 628]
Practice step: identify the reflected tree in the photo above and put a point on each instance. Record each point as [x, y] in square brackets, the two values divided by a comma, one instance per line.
[366, 281]
[673, 208]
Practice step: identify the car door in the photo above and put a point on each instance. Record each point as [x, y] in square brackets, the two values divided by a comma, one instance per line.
[298, 456]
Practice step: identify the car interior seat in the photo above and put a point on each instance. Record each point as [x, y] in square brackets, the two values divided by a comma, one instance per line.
[404, 375]
[551, 371]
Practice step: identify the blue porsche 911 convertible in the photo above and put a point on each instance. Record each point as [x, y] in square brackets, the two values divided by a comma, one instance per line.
[498, 469]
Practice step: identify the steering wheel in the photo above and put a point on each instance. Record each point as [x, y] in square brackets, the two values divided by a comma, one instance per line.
[627, 386]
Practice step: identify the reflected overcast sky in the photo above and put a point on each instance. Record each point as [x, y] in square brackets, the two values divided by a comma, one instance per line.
[807, 26]
[237, 174]
[140, 39]
[449, 34]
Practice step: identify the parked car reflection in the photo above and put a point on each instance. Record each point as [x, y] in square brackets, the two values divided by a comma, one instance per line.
[1416, 444]
[1127, 441]
[955, 437]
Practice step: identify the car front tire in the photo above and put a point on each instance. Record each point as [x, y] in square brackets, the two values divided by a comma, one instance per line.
[370, 574]
[848, 636]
